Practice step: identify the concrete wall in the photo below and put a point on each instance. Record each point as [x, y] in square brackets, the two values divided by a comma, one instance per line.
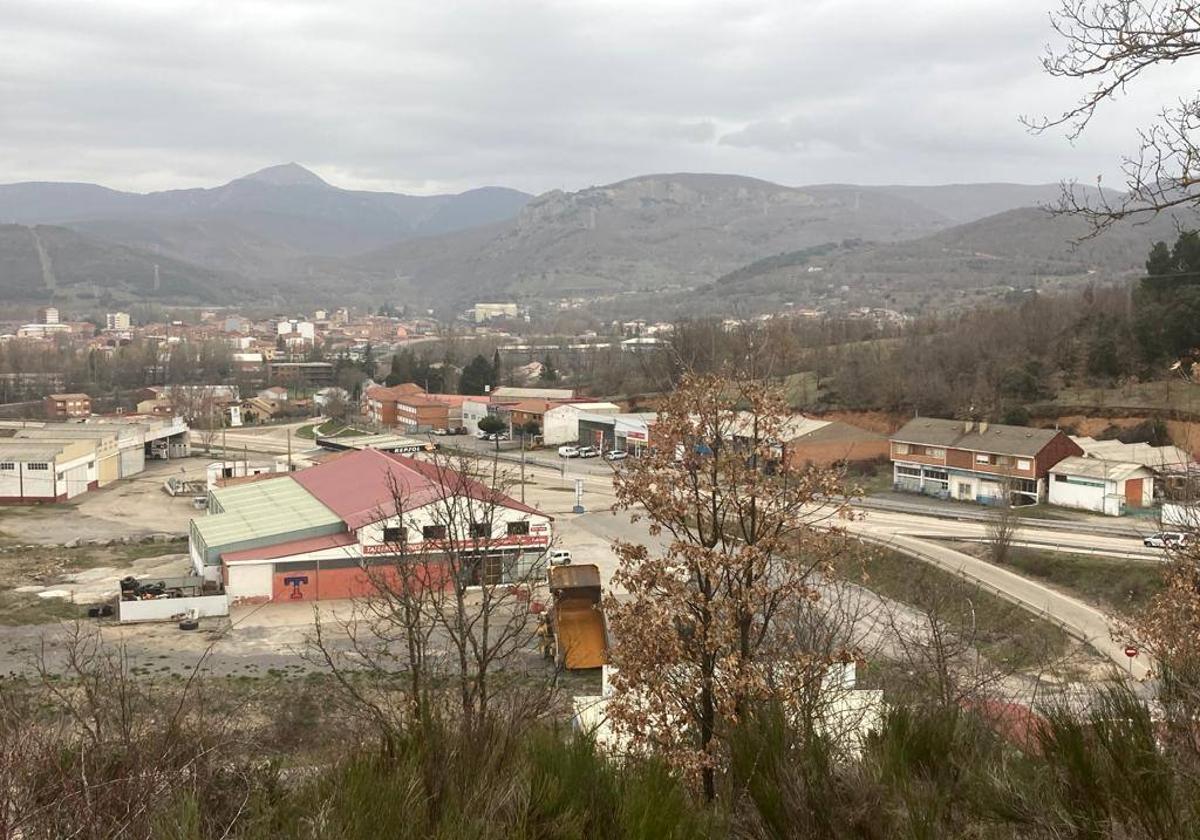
[560, 425]
[1084, 494]
[162, 609]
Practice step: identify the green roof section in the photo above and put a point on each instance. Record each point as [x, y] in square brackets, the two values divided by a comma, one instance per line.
[259, 513]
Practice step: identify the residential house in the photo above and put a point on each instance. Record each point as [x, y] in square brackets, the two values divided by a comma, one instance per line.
[976, 461]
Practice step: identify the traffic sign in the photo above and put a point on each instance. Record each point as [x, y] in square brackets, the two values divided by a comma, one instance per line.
[1131, 651]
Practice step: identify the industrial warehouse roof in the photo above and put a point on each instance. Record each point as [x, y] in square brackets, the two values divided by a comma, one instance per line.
[26, 450]
[365, 486]
[976, 437]
[1096, 468]
[1157, 458]
[290, 548]
[264, 509]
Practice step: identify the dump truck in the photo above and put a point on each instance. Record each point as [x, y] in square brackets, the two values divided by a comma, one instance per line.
[576, 635]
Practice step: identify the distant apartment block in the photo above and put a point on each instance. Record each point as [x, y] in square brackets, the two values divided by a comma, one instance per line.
[116, 321]
[68, 406]
[487, 311]
[48, 315]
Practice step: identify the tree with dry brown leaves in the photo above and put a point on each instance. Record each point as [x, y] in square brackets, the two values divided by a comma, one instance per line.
[704, 632]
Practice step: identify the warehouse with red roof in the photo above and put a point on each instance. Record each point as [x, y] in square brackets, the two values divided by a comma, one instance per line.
[331, 530]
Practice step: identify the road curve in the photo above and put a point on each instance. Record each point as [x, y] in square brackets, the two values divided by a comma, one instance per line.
[1081, 620]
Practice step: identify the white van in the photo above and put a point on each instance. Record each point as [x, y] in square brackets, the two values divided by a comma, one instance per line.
[568, 452]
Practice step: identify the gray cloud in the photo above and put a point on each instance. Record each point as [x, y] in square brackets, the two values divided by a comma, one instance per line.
[424, 97]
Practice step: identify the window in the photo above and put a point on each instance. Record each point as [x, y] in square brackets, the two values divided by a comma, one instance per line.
[397, 534]
[935, 452]
[7, 466]
[518, 529]
[481, 529]
[937, 475]
[901, 448]
[41, 467]
[433, 532]
[913, 471]
[1023, 464]
[981, 458]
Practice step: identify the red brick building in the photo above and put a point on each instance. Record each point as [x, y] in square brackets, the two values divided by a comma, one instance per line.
[68, 406]
[976, 461]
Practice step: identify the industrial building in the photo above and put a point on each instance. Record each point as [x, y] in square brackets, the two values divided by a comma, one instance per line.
[33, 471]
[51, 462]
[1108, 487]
[314, 534]
[629, 432]
[560, 424]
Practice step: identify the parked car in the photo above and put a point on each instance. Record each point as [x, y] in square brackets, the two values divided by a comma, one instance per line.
[560, 557]
[589, 452]
[440, 432]
[497, 436]
[482, 435]
[459, 430]
[616, 455]
[1165, 539]
[564, 452]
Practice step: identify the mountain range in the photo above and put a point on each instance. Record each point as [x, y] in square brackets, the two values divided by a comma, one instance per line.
[285, 234]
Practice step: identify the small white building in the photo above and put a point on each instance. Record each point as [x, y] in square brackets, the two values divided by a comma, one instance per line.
[472, 412]
[35, 471]
[1108, 487]
[561, 423]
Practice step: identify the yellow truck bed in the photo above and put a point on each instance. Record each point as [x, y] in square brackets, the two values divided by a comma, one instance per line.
[579, 629]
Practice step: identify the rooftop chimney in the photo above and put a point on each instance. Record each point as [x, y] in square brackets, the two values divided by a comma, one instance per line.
[983, 426]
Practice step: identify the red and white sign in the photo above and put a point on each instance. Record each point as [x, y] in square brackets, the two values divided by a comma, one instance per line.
[1131, 651]
[529, 540]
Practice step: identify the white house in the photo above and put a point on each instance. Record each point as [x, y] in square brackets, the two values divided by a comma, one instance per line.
[1108, 487]
[561, 423]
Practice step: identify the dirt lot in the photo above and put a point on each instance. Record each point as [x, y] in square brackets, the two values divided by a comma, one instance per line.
[136, 507]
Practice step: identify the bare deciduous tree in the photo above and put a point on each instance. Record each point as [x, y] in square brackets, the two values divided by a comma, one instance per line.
[1001, 527]
[452, 609]
[1111, 44]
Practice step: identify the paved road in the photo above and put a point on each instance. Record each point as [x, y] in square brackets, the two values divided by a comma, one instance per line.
[1081, 620]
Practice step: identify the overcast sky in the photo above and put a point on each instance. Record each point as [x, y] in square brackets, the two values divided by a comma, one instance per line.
[443, 95]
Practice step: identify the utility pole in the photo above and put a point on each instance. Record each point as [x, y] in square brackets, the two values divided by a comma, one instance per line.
[522, 466]
[289, 439]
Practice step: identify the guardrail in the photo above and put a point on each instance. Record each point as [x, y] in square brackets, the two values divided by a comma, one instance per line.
[942, 512]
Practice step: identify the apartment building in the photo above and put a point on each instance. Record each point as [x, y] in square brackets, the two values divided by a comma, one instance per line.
[976, 461]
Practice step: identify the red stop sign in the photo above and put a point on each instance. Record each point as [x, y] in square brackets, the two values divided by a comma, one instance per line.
[1131, 651]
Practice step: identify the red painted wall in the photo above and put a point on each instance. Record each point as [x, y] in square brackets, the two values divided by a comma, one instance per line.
[350, 582]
